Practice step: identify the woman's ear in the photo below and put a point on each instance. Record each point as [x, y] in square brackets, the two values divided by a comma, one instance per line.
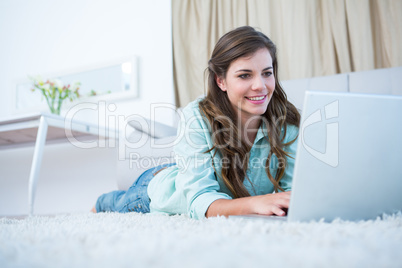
[220, 81]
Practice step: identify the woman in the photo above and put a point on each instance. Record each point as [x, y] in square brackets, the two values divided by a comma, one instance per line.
[236, 147]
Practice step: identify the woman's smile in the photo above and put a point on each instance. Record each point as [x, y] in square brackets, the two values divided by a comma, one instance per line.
[257, 99]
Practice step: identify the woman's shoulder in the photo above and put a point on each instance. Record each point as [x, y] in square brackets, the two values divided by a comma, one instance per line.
[193, 106]
[192, 113]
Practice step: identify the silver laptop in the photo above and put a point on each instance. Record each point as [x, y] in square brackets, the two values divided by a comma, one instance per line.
[349, 158]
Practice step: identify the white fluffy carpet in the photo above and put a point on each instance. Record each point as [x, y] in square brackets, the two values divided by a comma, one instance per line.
[138, 240]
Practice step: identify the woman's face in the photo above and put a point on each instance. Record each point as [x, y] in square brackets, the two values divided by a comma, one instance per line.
[249, 83]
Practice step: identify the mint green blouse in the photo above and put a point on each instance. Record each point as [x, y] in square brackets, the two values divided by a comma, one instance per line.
[190, 186]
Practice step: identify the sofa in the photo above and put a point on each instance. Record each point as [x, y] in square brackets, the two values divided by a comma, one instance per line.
[379, 81]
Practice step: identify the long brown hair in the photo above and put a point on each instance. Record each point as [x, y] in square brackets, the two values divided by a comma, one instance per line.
[216, 107]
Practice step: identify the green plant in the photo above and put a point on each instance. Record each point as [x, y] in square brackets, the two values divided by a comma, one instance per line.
[55, 92]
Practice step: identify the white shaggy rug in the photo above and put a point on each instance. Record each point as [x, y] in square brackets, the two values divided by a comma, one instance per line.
[138, 240]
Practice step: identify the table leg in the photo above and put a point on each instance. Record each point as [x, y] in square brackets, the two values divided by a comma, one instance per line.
[36, 162]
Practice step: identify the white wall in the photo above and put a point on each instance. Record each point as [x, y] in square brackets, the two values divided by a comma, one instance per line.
[46, 36]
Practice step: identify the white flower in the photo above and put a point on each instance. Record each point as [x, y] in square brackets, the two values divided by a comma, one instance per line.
[46, 87]
[58, 83]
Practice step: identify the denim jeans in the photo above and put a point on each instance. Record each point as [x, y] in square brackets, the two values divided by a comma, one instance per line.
[134, 199]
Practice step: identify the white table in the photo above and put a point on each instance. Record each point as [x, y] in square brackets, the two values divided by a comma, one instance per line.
[37, 128]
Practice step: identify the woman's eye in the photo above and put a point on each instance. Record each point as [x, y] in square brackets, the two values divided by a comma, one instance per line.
[244, 76]
[267, 74]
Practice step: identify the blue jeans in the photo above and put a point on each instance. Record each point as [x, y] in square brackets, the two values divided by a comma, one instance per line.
[134, 199]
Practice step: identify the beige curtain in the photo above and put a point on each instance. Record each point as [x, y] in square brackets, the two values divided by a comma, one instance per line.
[313, 37]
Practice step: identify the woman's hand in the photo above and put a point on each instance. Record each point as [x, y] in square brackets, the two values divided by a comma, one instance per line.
[268, 204]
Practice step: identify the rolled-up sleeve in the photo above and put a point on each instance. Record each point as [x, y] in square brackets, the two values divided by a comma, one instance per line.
[196, 177]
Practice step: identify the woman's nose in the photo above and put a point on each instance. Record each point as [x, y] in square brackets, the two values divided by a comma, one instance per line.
[258, 83]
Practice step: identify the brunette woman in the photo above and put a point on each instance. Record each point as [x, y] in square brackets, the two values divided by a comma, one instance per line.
[235, 147]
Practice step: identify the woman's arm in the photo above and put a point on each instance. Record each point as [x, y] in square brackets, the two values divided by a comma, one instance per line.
[196, 179]
[269, 204]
